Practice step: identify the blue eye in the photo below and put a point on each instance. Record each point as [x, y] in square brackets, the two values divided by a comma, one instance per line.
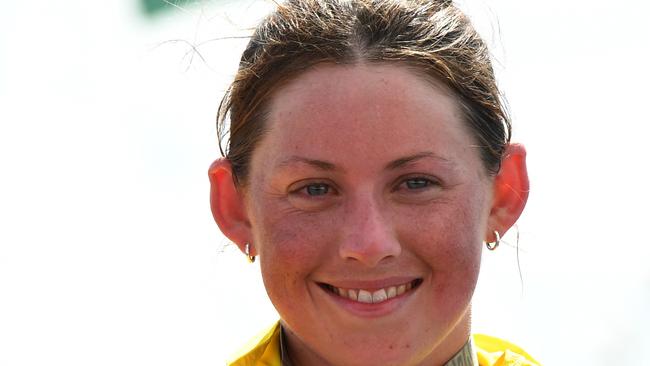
[312, 195]
[317, 189]
[417, 183]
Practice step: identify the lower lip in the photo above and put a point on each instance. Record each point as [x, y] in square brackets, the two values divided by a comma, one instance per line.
[365, 310]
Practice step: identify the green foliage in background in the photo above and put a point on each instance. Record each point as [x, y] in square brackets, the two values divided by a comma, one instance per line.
[154, 7]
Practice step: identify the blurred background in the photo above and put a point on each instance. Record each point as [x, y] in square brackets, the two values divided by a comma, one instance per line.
[108, 251]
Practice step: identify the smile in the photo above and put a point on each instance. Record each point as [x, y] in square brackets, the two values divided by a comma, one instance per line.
[372, 296]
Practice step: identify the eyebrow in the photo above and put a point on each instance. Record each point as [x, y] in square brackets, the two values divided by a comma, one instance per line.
[401, 162]
[395, 164]
[318, 164]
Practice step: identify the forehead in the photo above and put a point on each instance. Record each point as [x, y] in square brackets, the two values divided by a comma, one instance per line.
[337, 111]
[384, 87]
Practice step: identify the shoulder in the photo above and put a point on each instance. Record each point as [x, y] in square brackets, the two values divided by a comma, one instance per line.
[494, 351]
[262, 350]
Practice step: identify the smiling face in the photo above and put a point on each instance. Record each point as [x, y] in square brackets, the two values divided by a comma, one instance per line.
[368, 204]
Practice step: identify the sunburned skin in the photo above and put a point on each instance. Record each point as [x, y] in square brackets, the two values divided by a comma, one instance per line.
[367, 181]
[367, 203]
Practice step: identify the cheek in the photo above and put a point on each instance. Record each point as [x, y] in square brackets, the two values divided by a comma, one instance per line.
[295, 240]
[448, 237]
[291, 244]
[292, 247]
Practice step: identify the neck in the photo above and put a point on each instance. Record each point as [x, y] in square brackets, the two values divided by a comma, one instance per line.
[453, 350]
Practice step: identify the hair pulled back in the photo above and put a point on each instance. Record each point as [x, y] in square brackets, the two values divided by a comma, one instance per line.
[432, 37]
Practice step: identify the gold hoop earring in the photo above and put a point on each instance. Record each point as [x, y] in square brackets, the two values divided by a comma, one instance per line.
[251, 258]
[495, 244]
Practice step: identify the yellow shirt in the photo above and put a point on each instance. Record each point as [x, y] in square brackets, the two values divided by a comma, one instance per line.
[264, 350]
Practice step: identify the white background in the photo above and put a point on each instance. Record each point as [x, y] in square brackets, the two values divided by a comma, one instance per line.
[108, 251]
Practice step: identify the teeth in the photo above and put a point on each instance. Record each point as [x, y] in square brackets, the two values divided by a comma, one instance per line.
[379, 296]
[352, 295]
[401, 289]
[367, 297]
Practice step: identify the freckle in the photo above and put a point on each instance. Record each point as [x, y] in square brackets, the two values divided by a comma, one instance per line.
[408, 346]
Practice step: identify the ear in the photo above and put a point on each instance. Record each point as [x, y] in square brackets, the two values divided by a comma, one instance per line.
[227, 203]
[510, 193]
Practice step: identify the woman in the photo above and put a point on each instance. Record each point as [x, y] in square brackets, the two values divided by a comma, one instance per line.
[368, 162]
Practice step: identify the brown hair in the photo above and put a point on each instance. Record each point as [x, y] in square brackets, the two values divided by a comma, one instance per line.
[431, 36]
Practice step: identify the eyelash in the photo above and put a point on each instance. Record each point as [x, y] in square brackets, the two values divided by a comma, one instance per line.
[304, 189]
[325, 188]
[317, 195]
[427, 181]
[322, 188]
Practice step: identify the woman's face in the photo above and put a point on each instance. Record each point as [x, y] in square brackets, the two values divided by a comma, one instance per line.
[368, 204]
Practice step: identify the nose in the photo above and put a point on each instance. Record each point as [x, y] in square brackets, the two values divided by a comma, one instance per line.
[369, 237]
